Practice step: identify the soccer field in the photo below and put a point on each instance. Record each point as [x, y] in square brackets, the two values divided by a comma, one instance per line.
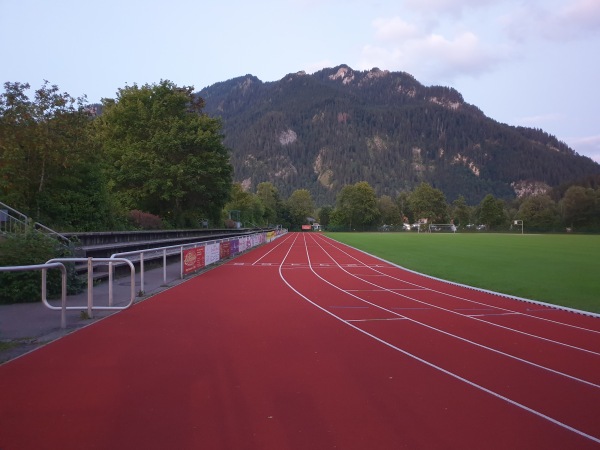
[558, 269]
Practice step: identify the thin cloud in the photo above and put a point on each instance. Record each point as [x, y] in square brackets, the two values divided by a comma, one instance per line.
[540, 119]
[426, 54]
[395, 29]
[451, 7]
[572, 20]
[579, 18]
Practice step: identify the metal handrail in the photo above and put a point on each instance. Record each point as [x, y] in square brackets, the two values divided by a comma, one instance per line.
[18, 213]
[24, 220]
[50, 231]
[44, 268]
[90, 284]
[12, 221]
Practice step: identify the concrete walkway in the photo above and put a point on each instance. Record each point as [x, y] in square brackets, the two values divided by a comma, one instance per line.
[27, 326]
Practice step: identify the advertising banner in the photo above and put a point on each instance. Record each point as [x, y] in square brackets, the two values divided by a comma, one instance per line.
[193, 259]
[212, 253]
[225, 249]
[243, 244]
[235, 247]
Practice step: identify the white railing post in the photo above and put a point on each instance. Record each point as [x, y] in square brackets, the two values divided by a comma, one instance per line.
[164, 266]
[63, 299]
[142, 272]
[63, 293]
[90, 294]
[181, 262]
[110, 283]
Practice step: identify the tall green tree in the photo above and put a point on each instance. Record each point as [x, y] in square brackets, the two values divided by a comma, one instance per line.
[166, 157]
[248, 206]
[581, 207]
[403, 202]
[269, 196]
[389, 211]
[491, 212]
[301, 206]
[325, 215]
[429, 203]
[50, 168]
[461, 212]
[539, 213]
[356, 206]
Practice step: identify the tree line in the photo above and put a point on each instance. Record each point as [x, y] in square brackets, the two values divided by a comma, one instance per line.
[155, 159]
[358, 208]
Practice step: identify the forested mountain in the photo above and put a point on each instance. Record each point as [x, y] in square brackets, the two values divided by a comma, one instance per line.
[339, 126]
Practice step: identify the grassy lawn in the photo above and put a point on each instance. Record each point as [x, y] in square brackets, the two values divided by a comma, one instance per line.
[559, 269]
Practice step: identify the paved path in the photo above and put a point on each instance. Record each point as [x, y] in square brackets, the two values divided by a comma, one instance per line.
[26, 326]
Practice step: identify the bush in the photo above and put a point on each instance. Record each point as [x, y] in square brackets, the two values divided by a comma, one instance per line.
[28, 248]
[145, 221]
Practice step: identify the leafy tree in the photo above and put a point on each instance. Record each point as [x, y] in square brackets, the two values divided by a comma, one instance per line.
[300, 206]
[403, 202]
[429, 203]
[50, 168]
[491, 211]
[325, 215]
[461, 211]
[284, 216]
[388, 210]
[269, 196]
[356, 206]
[166, 157]
[538, 212]
[250, 207]
[581, 207]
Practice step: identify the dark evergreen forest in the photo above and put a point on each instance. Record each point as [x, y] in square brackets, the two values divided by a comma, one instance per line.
[340, 126]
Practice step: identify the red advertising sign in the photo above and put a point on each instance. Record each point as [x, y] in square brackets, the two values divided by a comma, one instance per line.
[225, 249]
[306, 227]
[193, 259]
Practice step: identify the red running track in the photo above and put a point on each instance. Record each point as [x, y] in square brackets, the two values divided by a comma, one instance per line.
[306, 343]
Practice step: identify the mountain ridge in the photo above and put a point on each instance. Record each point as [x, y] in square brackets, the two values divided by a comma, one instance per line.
[339, 126]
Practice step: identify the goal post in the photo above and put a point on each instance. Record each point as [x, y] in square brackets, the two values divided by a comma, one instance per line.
[442, 228]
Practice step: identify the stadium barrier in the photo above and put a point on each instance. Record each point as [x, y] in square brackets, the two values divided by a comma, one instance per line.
[194, 256]
[91, 262]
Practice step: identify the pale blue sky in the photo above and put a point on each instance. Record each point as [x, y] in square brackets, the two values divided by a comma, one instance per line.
[523, 62]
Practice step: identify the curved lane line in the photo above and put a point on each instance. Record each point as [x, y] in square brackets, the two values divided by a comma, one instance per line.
[485, 347]
[468, 287]
[434, 366]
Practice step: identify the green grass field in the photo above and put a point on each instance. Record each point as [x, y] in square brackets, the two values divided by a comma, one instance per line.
[558, 269]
